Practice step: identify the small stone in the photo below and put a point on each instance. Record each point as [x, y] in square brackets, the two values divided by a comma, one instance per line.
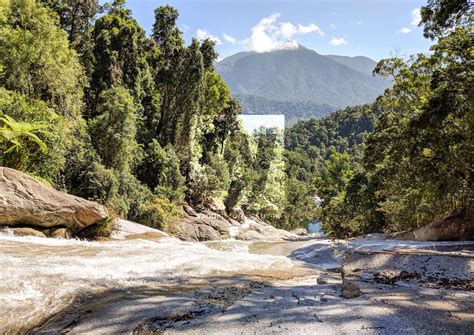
[321, 281]
[59, 233]
[350, 291]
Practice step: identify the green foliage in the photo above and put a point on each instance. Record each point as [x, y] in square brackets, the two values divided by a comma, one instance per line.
[438, 17]
[19, 134]
[239, 155]
[120, 58]
[114, 130]
[209, 184]
[160, 171]
[293, 110]
[267, 195]
[417, 162]
[30, 136]
[158, 213]
[35, 59]
[77, 19]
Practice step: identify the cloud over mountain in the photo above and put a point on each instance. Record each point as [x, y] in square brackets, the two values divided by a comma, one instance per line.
[269, 34]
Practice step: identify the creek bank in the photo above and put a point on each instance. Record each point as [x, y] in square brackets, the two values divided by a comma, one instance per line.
[31, 208]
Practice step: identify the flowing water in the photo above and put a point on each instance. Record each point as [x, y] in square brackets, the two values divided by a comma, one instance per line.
[40, 277]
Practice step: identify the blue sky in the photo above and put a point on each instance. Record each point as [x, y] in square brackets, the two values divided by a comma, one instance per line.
[373, 28]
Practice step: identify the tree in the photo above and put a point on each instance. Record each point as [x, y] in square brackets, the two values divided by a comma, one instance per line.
[77, 18]
[438, 17]
[170, 42]
[120, 56]
[160, 170]
[33, 51]
[114, 130]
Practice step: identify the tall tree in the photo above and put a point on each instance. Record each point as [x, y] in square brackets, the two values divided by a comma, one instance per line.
[114, 129]
[169, 39]
[120, 55]
[77, 18]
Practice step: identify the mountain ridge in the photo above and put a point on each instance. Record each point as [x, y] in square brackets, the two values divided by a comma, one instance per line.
[302, 76]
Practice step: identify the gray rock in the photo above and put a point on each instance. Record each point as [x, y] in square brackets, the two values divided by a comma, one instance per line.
[189, 210]
[321, 281]
[299, 231]
[237, 215]
[350, 291]
[26, 201]
[456, 227]
[251, 235]
[193, 230]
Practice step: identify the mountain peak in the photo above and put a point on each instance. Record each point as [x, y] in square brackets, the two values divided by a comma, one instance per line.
[302, 75]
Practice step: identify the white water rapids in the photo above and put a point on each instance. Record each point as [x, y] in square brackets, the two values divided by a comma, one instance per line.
[41, 276]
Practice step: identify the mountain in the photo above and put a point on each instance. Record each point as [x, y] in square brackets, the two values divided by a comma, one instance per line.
[293, 110]
[359, 63]
[302, 77]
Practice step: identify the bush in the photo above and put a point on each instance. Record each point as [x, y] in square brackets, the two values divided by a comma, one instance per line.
[158, 213]
[33, 121]
[160, 172]
[210, 183]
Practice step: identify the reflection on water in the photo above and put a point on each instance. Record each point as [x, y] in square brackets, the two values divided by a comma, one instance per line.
[40, 276]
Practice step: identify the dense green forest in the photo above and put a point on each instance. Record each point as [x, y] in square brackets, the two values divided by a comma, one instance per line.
[407, 159]
[292, 110]
[93, 106]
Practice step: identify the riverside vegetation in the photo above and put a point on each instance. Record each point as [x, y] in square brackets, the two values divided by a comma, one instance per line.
[90, 105]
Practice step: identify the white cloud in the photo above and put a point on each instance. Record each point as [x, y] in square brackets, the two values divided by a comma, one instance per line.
[338, 41]
[405, 30]
[203, 34]
[310, 28]
[288, 29]
[269, 34]
[229, 38]
[415, 17]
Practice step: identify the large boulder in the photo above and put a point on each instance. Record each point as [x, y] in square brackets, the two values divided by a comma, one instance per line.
[25, 202]
[204, 226]
[208, 225]
[455, 227]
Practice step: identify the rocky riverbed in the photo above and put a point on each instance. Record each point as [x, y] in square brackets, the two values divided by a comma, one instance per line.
[157, 284]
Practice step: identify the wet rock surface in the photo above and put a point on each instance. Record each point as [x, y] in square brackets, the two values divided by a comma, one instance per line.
[434, 271]
[259, 287]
